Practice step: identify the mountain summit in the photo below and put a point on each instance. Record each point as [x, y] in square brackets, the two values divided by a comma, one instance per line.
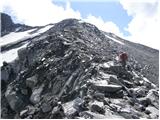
[70, 70]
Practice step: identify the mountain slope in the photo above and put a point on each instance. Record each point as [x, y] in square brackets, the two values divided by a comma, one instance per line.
[147, 59]
[70, 71]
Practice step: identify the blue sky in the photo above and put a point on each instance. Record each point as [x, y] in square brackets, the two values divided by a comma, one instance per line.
[108, 11]
[134, 20]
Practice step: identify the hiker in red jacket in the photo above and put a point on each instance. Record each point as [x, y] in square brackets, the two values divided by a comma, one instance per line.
[123, 57]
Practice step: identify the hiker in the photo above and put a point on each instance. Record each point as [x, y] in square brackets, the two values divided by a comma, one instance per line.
[123, 57]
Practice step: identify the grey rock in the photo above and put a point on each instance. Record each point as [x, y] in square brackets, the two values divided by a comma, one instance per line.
[24, 91]
[23, 113]
[97, 108]
[139, 107]
[86, 115]
[140, 91]
[29, 117]
[154, 112]
[71, 113]
[46, 107]
[147, 112]
[121, 72]
[98, 96]
[107, 88]
[77, 102]
[36, 95]
[7, 72]
[31, 109]
[154, 97]
[144, 101]
[114, 80]
[118, 94]
[4, 74]
[32, 81]
[126, 115]
[83, 106]
[15, 100]
[58, 112]
[128, 84]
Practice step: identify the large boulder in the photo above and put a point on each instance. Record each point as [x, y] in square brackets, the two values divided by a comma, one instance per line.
[14, 99]
[97, 108]
[36, 94]
[32, 81]
[121, 72]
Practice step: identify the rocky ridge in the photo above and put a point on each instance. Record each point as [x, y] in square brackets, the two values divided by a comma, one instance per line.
[71, 71]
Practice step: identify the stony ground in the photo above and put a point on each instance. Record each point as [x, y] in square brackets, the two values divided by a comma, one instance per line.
[71, 71]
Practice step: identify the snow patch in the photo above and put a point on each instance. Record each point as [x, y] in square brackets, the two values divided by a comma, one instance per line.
[10, 55]
[115, 40]
[17, 36]
[14, 36]
[42, 30]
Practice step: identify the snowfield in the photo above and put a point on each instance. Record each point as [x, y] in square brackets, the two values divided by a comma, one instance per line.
[16, 36]
[12, 54]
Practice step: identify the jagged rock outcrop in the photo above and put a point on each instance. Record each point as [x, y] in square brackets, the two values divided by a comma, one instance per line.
[9, 26]
[63, 74]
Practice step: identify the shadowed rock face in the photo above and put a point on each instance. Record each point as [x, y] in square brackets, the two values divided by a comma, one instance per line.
[61, 74]
[7, 23]
[9, 26]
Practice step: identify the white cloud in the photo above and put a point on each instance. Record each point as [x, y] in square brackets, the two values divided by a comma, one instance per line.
[42, 12]
[145, 25]
[39, 12]
[107, 26]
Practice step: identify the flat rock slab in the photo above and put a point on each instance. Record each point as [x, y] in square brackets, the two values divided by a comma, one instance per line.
[106, 88]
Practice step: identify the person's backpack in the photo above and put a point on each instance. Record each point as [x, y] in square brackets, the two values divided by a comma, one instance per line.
[123, 56]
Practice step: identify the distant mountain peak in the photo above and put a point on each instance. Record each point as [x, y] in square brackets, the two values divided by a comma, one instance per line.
[9, 26]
